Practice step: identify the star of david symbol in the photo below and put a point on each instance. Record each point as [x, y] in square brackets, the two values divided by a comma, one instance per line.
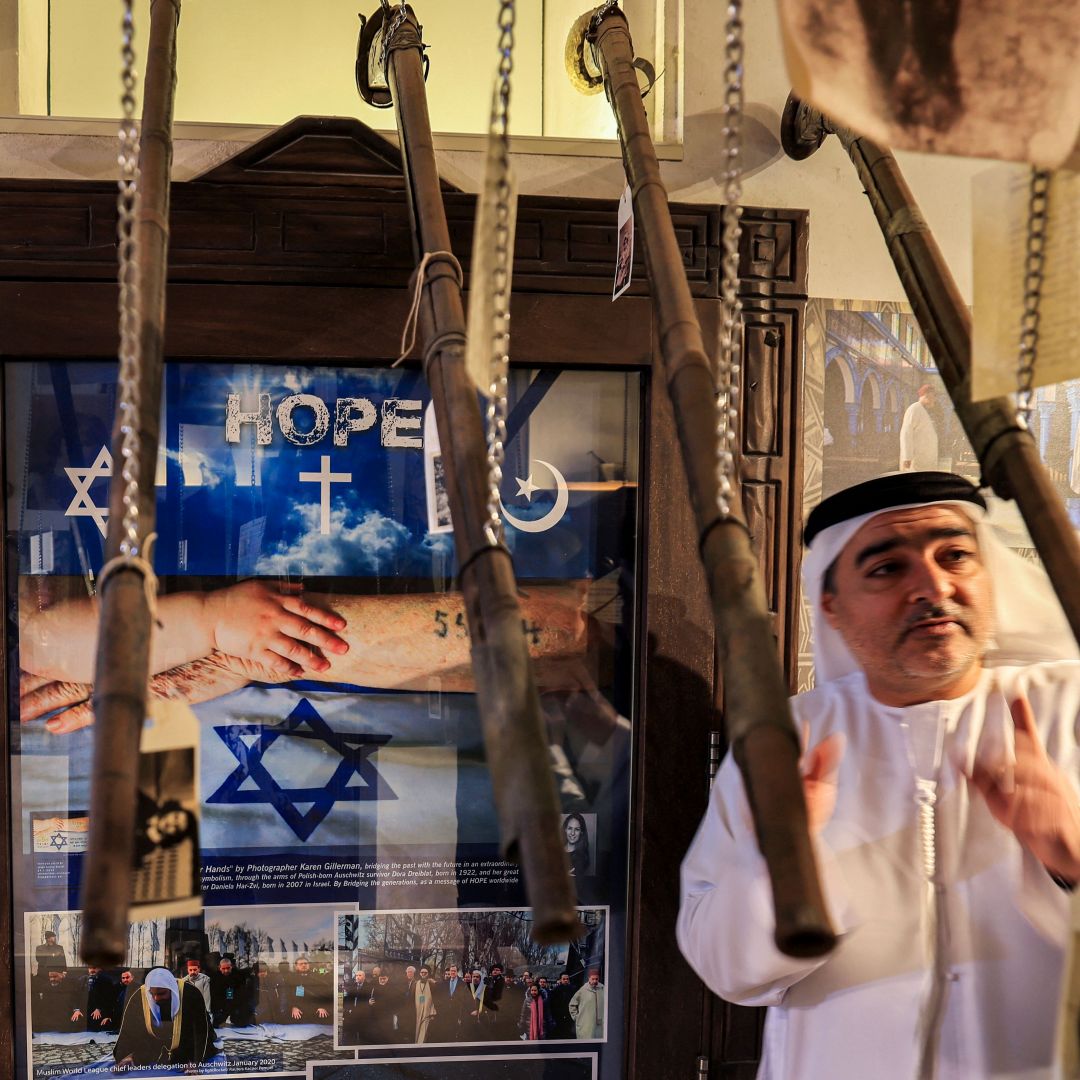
[82, 505]
[355, 751]
[58, 840]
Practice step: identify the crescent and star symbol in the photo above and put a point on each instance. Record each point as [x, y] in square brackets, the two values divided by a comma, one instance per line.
[549, 520]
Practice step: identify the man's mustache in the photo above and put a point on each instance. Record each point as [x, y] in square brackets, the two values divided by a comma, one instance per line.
[928, 612]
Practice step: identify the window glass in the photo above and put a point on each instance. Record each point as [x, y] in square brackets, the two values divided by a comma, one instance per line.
[341, 813]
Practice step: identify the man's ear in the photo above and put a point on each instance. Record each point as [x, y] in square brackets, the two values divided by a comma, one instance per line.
[828, 609]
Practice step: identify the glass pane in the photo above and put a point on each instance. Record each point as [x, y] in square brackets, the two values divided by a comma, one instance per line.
[346, 813]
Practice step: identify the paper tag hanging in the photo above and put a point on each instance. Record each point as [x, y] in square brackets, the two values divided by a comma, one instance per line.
[999, 210]
[624, 245]
[481, 320]
[438, 500]
[166, 874]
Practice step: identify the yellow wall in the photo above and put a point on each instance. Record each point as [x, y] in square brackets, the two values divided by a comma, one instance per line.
[266, 61]
[567, 113]
[33, 56]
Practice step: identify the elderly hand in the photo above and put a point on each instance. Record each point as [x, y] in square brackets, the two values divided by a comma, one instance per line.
[1041, 807]
[276, 629]
[201, 680]
[41, 696]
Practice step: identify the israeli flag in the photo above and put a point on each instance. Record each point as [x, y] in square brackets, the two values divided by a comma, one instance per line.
[310, 766]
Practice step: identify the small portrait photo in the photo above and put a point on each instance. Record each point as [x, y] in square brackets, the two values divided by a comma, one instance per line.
[442, 496]
[625, 257]
[579, 839]
[167, 828]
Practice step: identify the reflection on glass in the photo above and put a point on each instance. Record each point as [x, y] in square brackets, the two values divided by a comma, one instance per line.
[313, 639]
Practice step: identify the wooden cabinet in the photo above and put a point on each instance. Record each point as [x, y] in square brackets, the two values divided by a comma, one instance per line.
[299, 250]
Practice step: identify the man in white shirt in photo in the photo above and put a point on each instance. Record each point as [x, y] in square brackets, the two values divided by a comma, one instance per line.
[918, 434]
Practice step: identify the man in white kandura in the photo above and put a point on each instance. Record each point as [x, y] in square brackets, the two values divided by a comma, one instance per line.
[918, 434]
[942, 797]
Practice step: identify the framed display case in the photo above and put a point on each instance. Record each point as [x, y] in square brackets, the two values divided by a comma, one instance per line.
[345, 820]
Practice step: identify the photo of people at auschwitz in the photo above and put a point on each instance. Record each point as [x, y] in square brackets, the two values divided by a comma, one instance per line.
[471, 976]
[77, 1010]
[247, 991]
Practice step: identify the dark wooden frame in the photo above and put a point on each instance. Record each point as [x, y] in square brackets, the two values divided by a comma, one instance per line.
[286, 252]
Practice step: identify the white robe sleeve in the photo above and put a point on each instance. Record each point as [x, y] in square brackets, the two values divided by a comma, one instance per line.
[725, 925]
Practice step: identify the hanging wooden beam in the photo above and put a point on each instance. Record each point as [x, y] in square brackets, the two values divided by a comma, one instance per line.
[514, 738]
[1007, 453]
[759, 727]
[123, 657]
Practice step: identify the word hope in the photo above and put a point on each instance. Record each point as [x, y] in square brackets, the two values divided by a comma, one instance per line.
[351, 415]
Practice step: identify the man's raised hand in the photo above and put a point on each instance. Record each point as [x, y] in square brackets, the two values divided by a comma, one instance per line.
[1039, 805]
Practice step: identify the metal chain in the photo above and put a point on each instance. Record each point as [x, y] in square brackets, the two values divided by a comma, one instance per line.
[130, 301]
[1034, 267]
[602, 13]
[500, 355]
[390, 29]
[727, 362]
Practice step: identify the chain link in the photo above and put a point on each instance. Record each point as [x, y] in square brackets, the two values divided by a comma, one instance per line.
[600, 14]
[500, 354]
[390, 29]
[130, 303]
[728, 358]
[1034, 267]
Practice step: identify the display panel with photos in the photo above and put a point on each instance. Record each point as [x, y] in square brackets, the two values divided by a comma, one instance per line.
[313, 641]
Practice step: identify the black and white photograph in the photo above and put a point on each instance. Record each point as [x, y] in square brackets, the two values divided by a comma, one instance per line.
[167, 830]
[579, 834]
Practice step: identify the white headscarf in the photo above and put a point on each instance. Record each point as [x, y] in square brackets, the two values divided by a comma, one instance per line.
[1030, 626]
[162, 979]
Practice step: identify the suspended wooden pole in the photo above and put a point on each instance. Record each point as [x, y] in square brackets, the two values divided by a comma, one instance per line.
[757, 718]
[514, 739]
[1007, 453]
[126, 585]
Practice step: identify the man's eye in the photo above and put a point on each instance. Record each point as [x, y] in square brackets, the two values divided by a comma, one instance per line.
[883, 569]
[958, 555]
